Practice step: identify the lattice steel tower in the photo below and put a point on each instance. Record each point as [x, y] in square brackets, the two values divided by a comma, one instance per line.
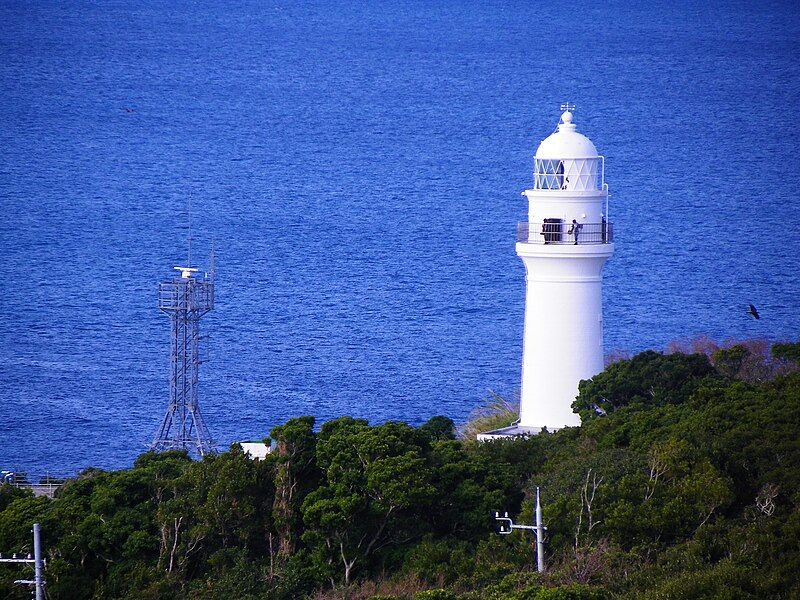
[185, 299]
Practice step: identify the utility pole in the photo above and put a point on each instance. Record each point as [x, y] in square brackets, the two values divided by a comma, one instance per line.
[506, 526]
[539, 535]
[38, 564]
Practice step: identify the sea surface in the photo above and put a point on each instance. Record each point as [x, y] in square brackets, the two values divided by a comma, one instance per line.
[357, 167]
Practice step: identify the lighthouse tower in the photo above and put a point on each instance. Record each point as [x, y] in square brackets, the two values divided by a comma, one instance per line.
[564, 246]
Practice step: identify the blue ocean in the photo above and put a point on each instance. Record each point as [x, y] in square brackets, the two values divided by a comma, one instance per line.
[357, 167]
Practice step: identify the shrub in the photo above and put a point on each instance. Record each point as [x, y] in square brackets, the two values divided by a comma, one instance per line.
[439, 594]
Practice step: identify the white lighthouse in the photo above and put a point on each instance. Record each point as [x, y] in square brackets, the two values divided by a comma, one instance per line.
[564, 246]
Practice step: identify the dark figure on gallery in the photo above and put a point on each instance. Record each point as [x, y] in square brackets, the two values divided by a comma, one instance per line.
[575, 229]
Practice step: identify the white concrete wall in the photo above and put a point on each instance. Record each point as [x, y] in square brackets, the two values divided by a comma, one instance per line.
[566, 205]
[563, 341]
[255, 450]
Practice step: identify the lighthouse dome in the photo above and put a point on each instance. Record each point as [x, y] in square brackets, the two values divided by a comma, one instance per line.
[566, 142]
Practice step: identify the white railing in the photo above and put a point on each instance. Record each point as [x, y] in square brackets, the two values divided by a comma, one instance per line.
[558, 232]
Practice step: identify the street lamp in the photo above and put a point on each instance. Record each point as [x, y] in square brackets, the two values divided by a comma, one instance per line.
[506, 526]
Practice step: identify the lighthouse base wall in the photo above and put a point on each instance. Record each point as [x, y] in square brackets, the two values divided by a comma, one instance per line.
[563, 341]
[513, 431]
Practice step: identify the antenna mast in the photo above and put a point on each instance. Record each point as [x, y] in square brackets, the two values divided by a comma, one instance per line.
[212, 262]
[189, 220]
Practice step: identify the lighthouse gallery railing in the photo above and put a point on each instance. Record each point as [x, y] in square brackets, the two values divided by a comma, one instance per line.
[564, 233]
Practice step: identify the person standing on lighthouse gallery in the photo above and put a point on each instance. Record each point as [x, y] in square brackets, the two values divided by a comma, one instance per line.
[574, 229]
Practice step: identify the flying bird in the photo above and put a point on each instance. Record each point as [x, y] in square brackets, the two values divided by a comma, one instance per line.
[754, 312]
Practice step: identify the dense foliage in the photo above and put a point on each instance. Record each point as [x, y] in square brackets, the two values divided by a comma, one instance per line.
[682, 482]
